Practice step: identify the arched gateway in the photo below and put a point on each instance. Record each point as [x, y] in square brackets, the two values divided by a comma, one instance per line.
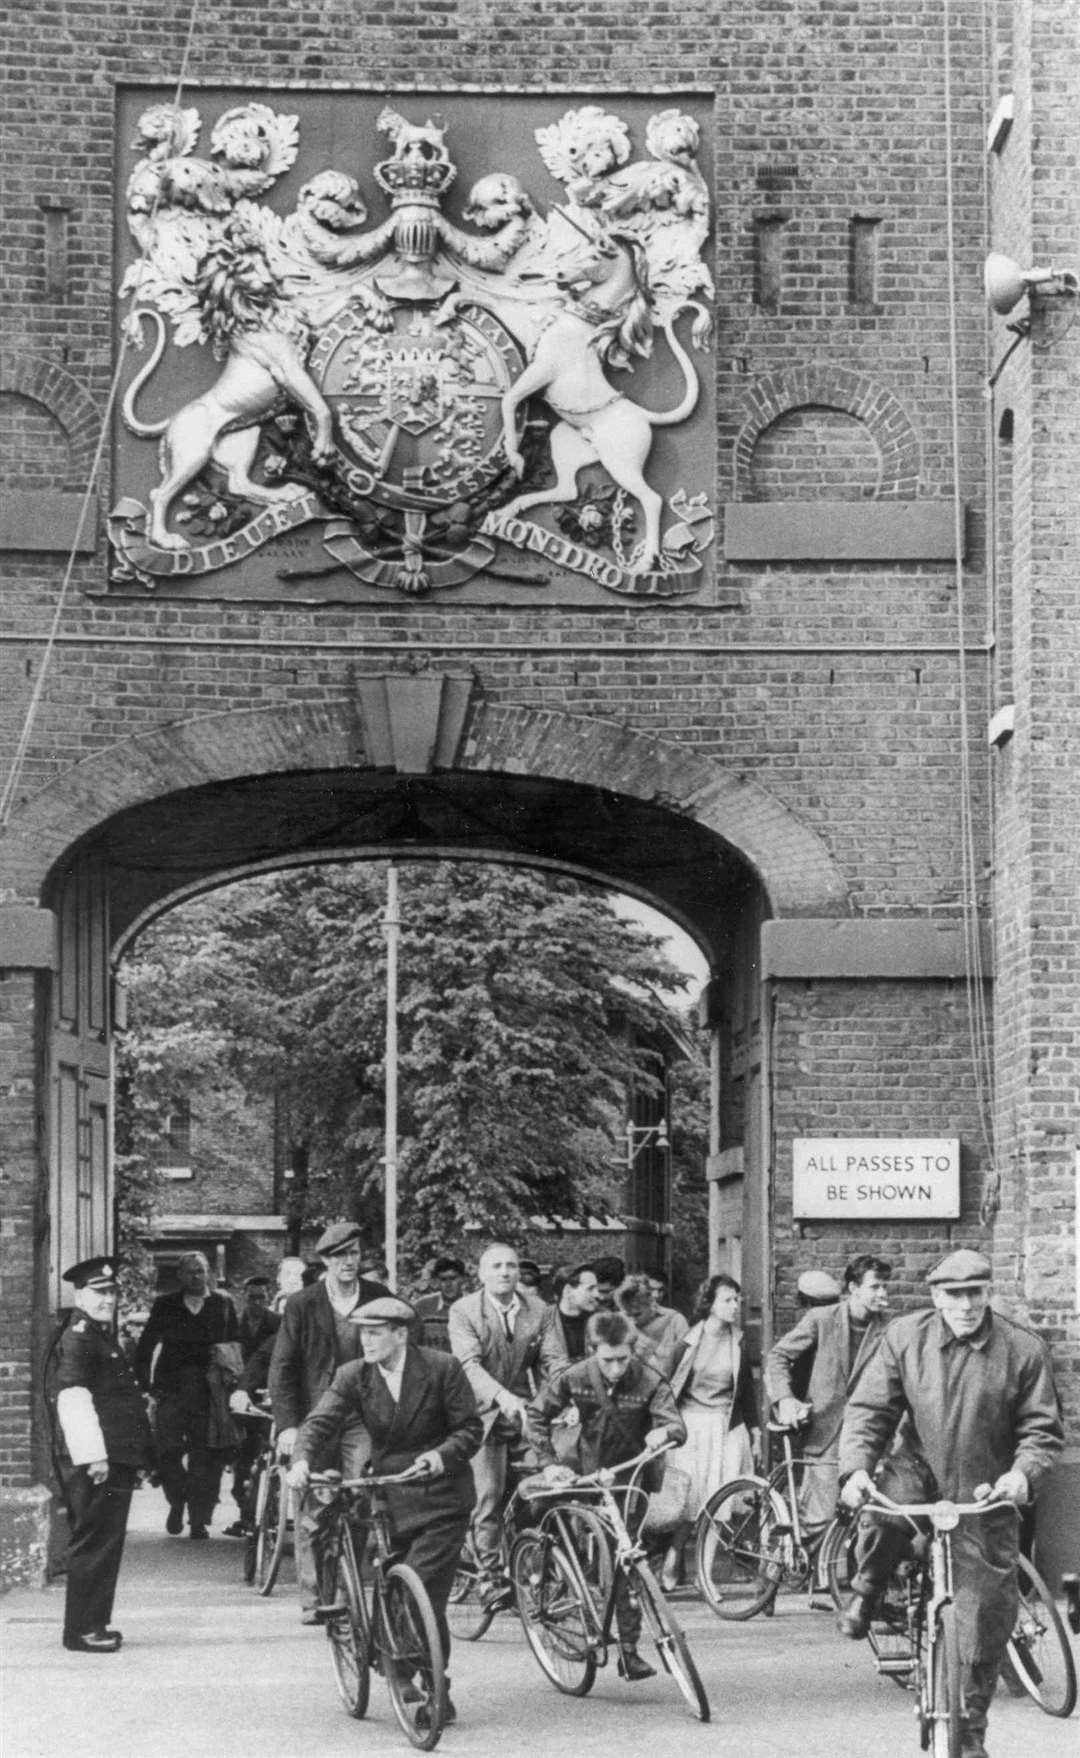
[406, 765]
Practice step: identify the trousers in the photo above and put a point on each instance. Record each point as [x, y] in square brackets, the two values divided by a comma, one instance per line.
[99, 1515]
[189, 1469]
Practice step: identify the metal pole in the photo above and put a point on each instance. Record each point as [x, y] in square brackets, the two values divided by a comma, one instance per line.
[391, 928]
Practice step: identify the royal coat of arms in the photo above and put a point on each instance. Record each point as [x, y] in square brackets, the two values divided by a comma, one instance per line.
[439, 402]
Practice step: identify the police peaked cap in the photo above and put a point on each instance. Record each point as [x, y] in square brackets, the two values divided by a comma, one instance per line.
[338, 1237]
[818, 1285]
[961, 1269]
[387, 1310]
[94, 1272]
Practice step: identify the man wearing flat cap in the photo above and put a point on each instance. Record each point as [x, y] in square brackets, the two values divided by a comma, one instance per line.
[315, 1338]
[812, 1370]
[419, 1410]
[981, 1422]
[433, 1310]
[106, 1442]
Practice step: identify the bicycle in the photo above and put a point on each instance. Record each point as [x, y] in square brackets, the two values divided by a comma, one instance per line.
[467, 1613]
[750, 1540]
[930, 1618]
[566, 1571]
[266, 1512]
[1038, 1657]
[395, 1631]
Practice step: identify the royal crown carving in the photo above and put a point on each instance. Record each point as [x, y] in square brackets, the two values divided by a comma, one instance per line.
[437, 402]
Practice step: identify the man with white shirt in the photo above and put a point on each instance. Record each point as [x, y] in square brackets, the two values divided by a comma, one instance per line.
[507, 1342]
[315, 1338]
[418, 1408]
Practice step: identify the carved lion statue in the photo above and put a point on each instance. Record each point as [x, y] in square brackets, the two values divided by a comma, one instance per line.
[261, 344]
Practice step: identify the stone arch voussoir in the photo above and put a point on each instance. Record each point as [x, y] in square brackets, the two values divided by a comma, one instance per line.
[793, 864]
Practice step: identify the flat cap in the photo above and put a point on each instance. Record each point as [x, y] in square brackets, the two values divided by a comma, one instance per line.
[961, 1269]
[818, 1285]
[446, 1266]
[337, 1237]
[94, 1272]
[255, 1282]
[387, 1310]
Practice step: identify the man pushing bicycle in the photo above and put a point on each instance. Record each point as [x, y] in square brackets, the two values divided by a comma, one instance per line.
[625, 1406]
[980, 1419]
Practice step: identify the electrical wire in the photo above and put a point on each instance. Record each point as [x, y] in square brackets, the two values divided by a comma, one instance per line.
[978, 1022]
[22, 746]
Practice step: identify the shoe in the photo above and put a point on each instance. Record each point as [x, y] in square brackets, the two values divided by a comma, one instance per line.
[236, 1530]
[94, 1642]
[310, 1614]
[632, 1667]
[854, 1622]
[198, 1532]
[496, 1596]
[174, 1525]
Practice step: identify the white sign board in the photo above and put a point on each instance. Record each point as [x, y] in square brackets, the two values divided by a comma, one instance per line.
[852, 1179]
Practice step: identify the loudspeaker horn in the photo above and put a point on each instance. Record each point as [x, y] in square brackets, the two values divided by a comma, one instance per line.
[1006, 282]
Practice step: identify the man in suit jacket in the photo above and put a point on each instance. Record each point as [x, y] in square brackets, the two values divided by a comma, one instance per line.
[506, 1341]
[315, 1338]
[419, 1410]
[835, 1343]
[176, 1349]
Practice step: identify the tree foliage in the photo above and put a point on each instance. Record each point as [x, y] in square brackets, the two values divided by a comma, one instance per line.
[521, 999]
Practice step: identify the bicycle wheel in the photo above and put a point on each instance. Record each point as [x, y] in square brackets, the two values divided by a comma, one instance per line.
[737, 1548]
[466, 1615]
[347, 1628]
[836, 1560]
[252, 1497]
[1039, 1650]
[557, 1619]
[271, 1522]
[590, 1543]
[946, 1687]
[411, 1654]
[666, 1632]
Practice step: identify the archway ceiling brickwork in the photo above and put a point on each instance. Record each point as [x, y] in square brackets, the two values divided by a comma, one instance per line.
[186, 839]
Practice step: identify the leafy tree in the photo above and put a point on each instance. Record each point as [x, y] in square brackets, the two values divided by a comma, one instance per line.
[519, 998]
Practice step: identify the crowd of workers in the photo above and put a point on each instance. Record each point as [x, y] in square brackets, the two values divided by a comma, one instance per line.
[953, 1399]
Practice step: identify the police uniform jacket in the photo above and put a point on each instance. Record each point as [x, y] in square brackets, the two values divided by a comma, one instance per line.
[435, 1413]
[976, 1407]
[615, 1419]
[305, 1351]
[98, 1402]
[494, 1363]
[822, 1341]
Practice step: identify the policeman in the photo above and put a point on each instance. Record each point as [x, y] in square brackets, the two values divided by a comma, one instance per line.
[106, 1442]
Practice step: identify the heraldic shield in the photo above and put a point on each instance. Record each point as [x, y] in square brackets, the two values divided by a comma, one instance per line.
[416, 404]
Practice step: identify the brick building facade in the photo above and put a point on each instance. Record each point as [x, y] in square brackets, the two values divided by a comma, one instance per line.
[792, 759]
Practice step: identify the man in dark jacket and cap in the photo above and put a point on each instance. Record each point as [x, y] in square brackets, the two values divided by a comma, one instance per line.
[106, 1443]
[315, 1338]
[419, 1410]
[981, 1420]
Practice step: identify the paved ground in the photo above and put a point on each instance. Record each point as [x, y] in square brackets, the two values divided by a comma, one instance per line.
[211, 1670]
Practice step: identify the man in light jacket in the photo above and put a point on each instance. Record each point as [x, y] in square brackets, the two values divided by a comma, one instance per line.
[505, 1339]
[833, 1344]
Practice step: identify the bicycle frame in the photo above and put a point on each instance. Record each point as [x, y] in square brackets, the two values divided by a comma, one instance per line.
[930, 1615]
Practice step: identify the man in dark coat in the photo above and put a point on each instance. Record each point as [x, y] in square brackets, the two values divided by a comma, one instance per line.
[315, 1338]
[625, 1407]
[182, 1329]
[419, 1410]
[106, 1443]
[827, 1352]
[981, 1423]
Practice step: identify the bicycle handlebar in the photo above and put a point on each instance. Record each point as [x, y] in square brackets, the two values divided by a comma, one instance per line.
[334, 1479]
[602, 1478]
[944, 1514]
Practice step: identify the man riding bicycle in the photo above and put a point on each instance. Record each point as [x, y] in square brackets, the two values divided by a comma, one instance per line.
[981, 1422]
[625, 1406]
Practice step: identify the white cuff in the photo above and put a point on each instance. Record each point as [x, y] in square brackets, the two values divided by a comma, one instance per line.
[82, 1430]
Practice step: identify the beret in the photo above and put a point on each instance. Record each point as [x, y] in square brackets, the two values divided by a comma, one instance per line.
[961, 1269]
[818, 1285]
[337, 1237]
[387, 1310]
